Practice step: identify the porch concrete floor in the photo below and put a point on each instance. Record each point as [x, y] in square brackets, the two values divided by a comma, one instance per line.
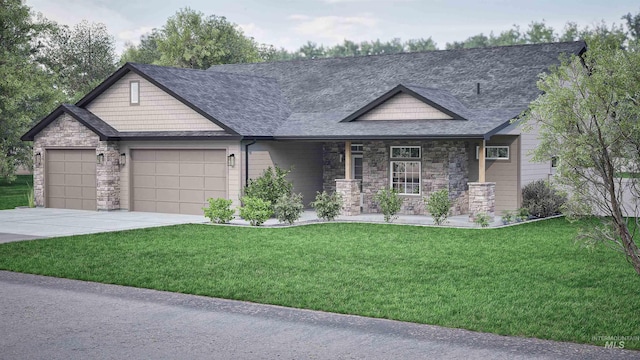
[309, 217]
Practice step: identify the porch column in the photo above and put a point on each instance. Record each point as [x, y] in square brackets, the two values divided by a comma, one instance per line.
[349, 189]
[482, 199]
[347, 160]
[481, 162]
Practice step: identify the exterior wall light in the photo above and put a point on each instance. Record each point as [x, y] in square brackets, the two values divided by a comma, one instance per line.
[38, 159]
[123, 159]
[231, 160]
[100, 158]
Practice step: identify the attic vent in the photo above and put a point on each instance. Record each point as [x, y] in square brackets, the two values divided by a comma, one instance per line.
[478, 88]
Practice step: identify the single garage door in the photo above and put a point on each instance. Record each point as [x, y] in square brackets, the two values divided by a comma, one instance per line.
[71, 179]
[177, 181]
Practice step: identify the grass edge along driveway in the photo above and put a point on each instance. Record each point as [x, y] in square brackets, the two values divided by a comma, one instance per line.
[530, 280]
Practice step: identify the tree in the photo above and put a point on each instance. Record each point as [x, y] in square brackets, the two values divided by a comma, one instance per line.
[190, 39]
[539, 32]
[81, 56]
[146, 52]
[588, 117]
[421, 44]
[26, 90]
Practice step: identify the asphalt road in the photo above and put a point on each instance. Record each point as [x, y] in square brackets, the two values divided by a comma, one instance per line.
[49, 318]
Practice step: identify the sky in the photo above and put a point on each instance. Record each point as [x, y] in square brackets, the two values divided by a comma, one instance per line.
[291, 23]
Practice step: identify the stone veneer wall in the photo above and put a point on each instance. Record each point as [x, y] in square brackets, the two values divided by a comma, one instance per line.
[66, 132]
[444, 166]
[482, 199]
[350, 192]
[332, 167]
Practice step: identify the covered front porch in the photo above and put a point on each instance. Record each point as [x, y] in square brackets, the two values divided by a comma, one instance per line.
[415, 168]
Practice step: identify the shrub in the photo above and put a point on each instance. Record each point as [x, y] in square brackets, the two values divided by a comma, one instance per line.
[31, 196]
[507, 217]
[482, 219]
[523, 214]
[438, 205]
[389, 203]
[542, 199]
[270, 186]
[288, 208]
[327, 206]
[255, 210]
[219, 210]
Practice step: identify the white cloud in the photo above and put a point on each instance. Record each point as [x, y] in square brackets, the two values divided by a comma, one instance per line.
[299, 17]
[336, 28]
[254, 31]
[133, 35]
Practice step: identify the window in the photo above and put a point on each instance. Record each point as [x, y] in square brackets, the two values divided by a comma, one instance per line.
[406, 169]
[134, 93]
[494, 152]
[357, 148]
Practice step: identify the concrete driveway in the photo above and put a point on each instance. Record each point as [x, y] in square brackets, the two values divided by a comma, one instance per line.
[25, 223]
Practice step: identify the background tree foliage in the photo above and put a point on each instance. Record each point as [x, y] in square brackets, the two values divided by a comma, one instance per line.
[27, 90]
[189, 39]
[589, 117]
[80, 57]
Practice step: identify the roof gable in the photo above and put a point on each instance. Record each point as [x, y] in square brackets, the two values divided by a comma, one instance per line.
[404, 103]
[85, 117]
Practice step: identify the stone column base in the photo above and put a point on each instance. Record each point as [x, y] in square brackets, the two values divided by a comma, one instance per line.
[482, 199]
[349, 189]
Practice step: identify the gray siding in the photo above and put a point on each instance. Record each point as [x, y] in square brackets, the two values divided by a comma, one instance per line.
[306, 159]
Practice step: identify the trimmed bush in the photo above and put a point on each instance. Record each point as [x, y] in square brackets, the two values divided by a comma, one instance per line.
[507, 217]
[255, 210]
[288, 208]
[270, 186]
[541, 199]
[389, 203]
[439, 205]
[327, 205]
[219, 210]
[482, 219]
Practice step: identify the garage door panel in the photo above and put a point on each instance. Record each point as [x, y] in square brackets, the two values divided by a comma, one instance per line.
[88, 204]
[73, 167]
[168, 168]
[89, 180]
[215, 184]
[88, 156]
[215, 194]
[191, 182]
[55, 155]
[145, 194]
[73, 179]
[215, 170]
[168, 155]
[55, 179]
[192, 169]
[88, 167]
[56, 202]
[187, 208]
[192, 156]
[144, 180]
[56, 167]
[144, 155]
[72, 155]
[213, 156]
[168, 182]
[73, 204]
[191, 195]
[145, 168]
[168, 207]
[88, 193]
[73, 192]
[179, 180]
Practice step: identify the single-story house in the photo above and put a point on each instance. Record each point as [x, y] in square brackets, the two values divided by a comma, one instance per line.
[162, 139]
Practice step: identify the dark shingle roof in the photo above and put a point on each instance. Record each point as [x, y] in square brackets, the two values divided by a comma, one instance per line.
[318, 90]
[245, 104]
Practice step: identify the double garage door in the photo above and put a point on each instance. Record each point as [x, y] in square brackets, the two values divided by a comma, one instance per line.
[167, 181]
[177, 181]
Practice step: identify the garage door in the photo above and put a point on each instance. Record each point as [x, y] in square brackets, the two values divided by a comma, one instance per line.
[177, 181]
[71, 179]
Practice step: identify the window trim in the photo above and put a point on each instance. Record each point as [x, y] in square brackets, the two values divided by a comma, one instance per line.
[131, 102]
[357, 148]
[486, 148]
[419, 157]
[391, 162]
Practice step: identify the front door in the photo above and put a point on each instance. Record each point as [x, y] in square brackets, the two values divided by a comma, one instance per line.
[356, 170]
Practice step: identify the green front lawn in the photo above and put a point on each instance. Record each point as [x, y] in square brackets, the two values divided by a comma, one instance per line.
[529, 280]
[15, 193]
